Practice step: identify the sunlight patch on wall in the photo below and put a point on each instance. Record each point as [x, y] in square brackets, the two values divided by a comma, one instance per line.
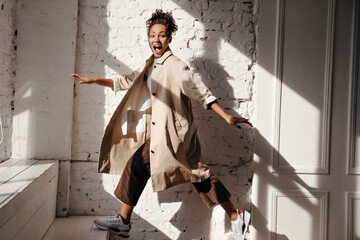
[109, 182]
[22, 121]
[300, 129]
[21, 139]
[26, 94]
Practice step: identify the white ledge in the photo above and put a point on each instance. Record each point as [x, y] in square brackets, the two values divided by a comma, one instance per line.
[27, 197]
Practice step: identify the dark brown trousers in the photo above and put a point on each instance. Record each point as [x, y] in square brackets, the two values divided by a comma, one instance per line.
[137, 172]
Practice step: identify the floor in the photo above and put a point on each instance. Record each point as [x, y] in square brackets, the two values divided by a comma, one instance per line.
[74, 228]
[82, 227]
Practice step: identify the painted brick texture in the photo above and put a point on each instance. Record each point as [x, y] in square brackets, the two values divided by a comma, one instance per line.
[218, 41]
[7, 74]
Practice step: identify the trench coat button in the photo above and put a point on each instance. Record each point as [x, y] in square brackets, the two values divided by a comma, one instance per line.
[155, 66]
[153, 123]
[154, 94]
[152, 151]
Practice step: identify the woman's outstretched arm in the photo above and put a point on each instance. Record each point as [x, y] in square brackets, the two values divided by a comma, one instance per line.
[100, 81]
[230, 119]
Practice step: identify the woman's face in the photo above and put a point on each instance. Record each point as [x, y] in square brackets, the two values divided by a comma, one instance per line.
[158, 40]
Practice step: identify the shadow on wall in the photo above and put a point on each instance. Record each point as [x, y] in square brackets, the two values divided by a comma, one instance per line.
[236, 149]
[280, 236]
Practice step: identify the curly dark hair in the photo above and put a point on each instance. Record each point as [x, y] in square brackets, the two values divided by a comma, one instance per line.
[164, 18]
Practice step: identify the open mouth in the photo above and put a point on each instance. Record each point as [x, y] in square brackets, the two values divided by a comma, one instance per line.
[157, 49]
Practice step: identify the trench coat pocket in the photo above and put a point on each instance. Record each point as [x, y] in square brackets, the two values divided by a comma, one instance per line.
[179, 125]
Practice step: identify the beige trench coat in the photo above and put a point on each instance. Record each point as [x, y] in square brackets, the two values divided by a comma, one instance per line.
[175, 155]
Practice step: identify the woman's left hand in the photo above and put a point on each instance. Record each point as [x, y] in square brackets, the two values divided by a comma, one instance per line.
[235, 121]
[230, 119]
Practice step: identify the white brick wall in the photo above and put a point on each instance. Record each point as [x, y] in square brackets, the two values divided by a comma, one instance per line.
[7, 73]
[218, 40]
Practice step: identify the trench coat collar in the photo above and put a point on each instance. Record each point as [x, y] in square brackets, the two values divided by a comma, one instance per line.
[162, 59]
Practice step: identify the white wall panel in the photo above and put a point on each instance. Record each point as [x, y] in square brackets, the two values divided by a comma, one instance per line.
[299, 215]
[309, 61]
[304, 59]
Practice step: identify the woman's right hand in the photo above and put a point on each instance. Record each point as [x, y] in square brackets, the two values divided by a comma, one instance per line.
[83, 79]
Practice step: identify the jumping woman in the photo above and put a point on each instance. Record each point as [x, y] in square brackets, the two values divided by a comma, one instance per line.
[152, 133]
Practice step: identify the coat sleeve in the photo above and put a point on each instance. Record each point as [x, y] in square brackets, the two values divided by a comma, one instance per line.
[193, 87]
[126, 81]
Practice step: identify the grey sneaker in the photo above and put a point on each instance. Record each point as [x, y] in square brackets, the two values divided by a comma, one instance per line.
[240, 225]
[114, 224]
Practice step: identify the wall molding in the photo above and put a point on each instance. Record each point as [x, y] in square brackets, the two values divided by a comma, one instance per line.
[353, 96]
